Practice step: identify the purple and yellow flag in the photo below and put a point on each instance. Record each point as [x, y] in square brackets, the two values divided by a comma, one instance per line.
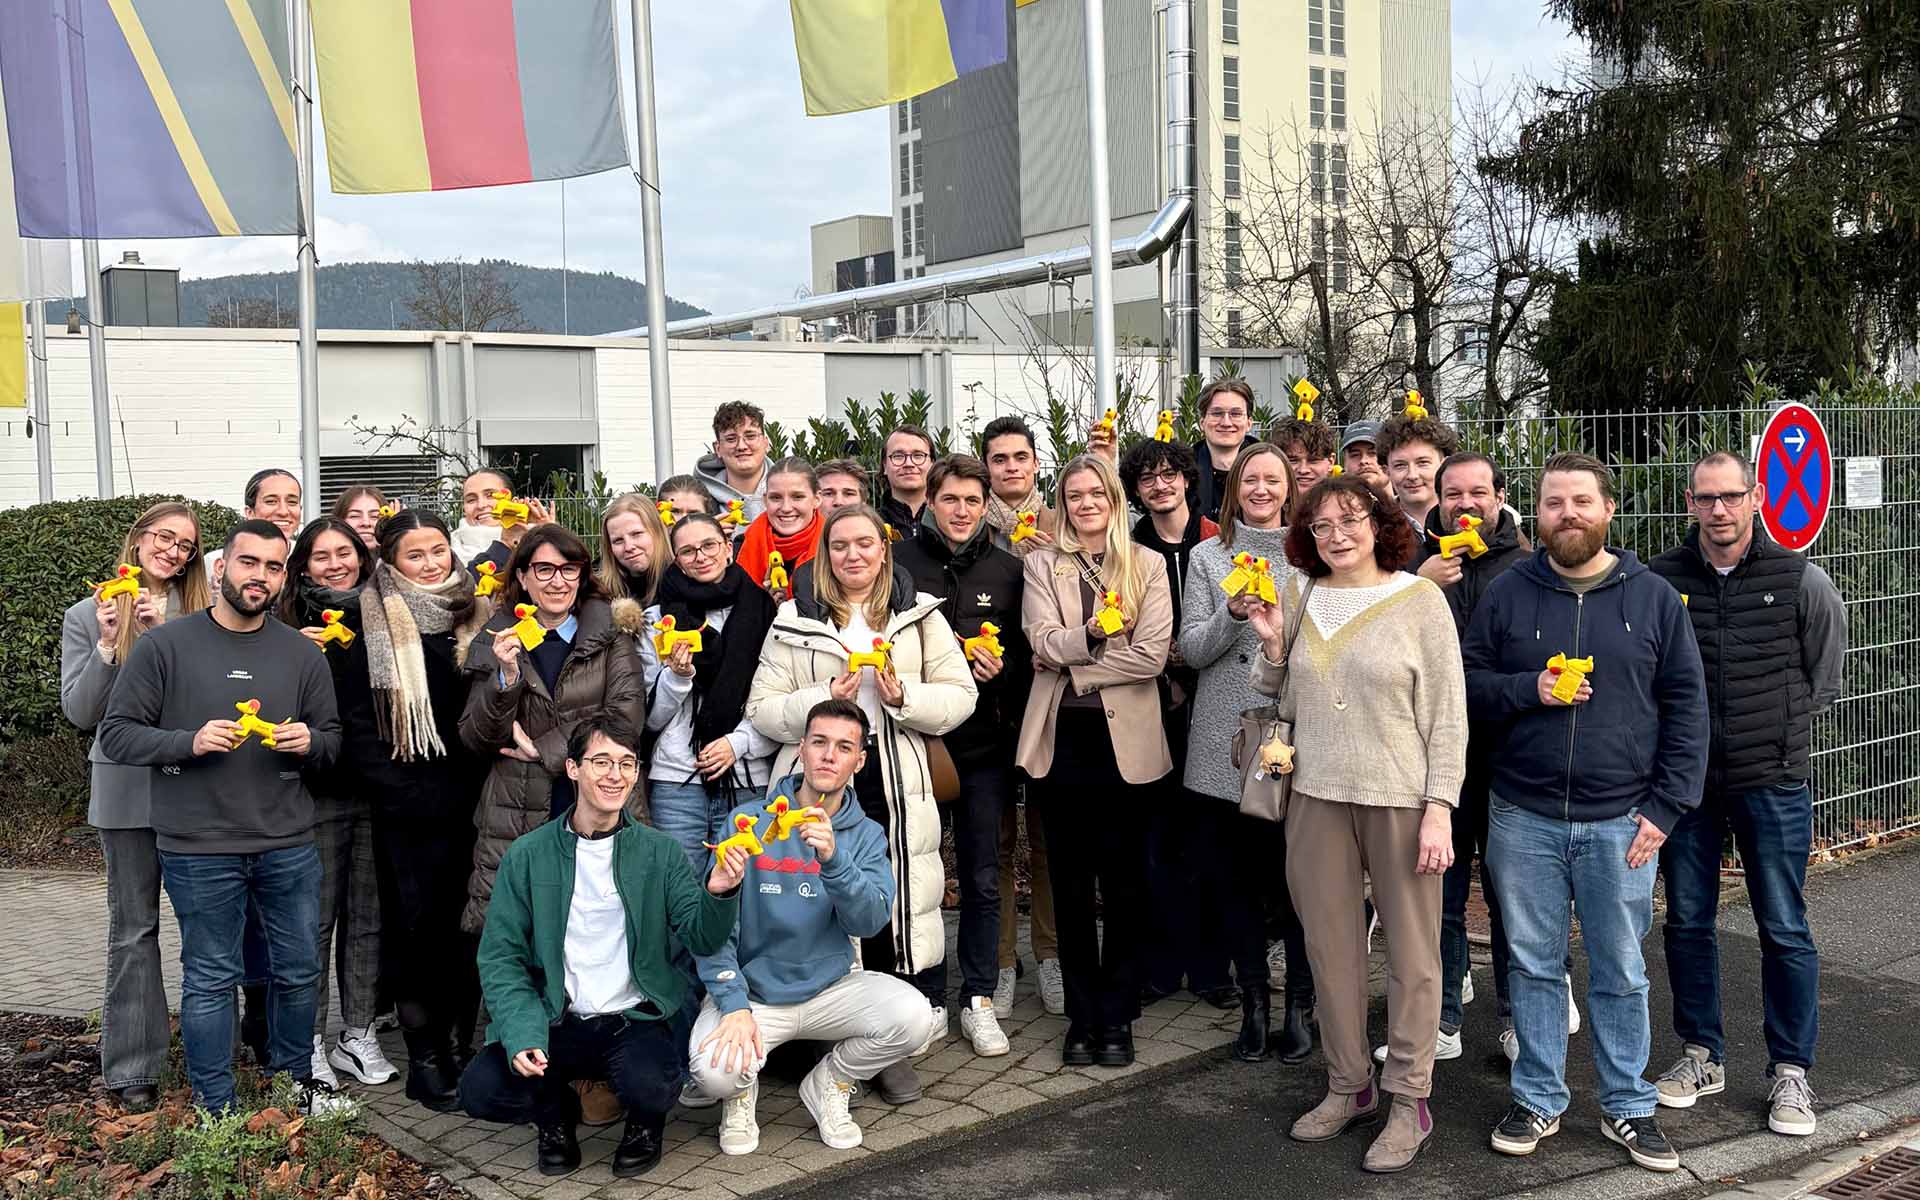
[149, 118]
[857, 54]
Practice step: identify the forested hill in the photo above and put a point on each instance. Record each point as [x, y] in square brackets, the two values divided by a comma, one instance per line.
[374, 295]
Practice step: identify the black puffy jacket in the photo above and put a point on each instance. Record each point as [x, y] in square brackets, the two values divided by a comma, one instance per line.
[978, 582]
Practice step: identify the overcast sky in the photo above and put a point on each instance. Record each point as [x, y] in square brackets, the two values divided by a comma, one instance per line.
[744, 172]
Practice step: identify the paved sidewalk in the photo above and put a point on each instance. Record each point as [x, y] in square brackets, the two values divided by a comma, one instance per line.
[53, 958]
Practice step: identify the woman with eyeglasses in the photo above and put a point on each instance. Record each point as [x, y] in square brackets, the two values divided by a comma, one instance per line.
[1377, 695]
[401, 692]
[360, 507]
[1093, 744]
[858, 597]
[790, 526]
[634, 550]
[326, 572]
[95, 638]
[522, 704]
[706, 751]
[1218, 641]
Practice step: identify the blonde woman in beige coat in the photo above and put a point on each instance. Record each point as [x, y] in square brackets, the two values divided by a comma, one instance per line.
[857, 595]
[1093, 741]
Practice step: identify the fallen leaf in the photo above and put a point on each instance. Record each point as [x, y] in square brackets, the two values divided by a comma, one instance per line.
[294, 1127]
[267, 1118]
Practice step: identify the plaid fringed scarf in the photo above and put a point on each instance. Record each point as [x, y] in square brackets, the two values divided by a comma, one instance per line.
[1004, 517]
[394, 613]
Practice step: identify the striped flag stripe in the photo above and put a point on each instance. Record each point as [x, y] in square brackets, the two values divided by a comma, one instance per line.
[265, 65]
[572, 114]
[174, 118]
[469, 75]
[370, 97]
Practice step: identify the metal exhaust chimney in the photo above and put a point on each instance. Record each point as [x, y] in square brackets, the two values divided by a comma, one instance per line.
[1183, 176]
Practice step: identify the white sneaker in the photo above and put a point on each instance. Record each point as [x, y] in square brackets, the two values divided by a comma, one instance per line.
[1510, 1044]
[1790, 1102]
[936, 1032]
[319, 1100]
[826, 1099]
[692, 1097]
[979, 1025]
[1573, 1009]
[739, 1131]
[1277, 962]
[1445, 1045]
[1003, 989]
[322, 1070]
[1466, 989]
[1053, 990]
[358, 1053]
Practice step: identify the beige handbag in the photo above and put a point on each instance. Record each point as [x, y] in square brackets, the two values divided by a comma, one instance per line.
[1263, 745]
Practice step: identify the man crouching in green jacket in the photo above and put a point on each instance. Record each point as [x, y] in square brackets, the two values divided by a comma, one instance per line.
[575, 961]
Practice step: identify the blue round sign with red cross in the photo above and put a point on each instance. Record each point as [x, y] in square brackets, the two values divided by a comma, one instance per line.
[1795, 465]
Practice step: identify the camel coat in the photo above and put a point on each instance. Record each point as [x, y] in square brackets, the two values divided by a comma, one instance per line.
[1124, 670]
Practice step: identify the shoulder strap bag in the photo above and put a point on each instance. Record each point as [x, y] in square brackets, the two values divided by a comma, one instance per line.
[1263, 745]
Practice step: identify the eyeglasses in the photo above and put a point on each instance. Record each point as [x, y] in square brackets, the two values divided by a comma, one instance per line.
[901, 458]
[1164, 478]
[1226, 415]
[165, 540]
[545, 572]
[746, 437]
[1706, 501]
[1349, 525]
[607, 764]
[710, 548]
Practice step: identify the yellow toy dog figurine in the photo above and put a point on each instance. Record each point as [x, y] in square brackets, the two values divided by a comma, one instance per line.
[387, 510]
[666, 513]
[875, 658]
[1307, 394]
[526, 628]
[1107, 421]
[666, 638]
[489, 579]
[1572, 672]
[1026, 527]
[125, 582]
[1163, 432]
[1467, 539]
[1416, 409]
[988, 642]
[745, 839]
[1111, 619]
[736, 515]
[250, 724]
[787, 818]
[777, 580]
[1250, 574]
[508, 512]
[332, 632]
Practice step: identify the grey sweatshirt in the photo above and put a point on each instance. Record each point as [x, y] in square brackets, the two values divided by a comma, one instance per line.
[191, 671]
[1221, 649]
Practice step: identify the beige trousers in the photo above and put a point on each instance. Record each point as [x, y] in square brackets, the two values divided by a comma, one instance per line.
[1329, 846]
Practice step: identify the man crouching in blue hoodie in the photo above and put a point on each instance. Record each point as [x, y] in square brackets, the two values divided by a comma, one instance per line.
[821, 882]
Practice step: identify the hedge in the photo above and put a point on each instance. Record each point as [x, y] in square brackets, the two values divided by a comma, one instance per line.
[48, 555]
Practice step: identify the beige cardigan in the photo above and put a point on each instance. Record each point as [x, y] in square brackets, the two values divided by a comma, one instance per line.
[1380, 709]
[1124, 670]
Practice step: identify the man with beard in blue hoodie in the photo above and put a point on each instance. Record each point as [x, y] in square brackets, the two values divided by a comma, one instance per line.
[1589, 776]
[820, 882]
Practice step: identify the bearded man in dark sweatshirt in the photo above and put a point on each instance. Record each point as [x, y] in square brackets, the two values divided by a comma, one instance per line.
[229, 706]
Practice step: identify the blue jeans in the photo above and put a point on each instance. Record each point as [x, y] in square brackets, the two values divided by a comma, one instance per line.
[210, 895]
[1541, 866]
[1469, 836]
[685, 813]
[985, 789]
[1773, 829]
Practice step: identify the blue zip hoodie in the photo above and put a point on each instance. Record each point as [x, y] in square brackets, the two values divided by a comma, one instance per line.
[1640, 744]
[798, 914]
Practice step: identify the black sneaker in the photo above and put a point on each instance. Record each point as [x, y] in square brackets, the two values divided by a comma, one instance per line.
[1645, 1144]
[1520, 1131]
[559, 1148]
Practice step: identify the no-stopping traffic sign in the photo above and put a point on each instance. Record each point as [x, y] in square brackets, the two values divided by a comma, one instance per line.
[1795, 463]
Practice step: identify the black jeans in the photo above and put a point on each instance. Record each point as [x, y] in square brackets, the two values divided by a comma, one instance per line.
[1187, 942]
[1255, 894]
[428, 963]
[985, 791]
[877, 952]
[1096, 826]
[645, 1062]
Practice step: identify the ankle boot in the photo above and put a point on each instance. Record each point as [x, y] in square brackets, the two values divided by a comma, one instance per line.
[1256, 1017]
[432, 1079]
[1294, 1041]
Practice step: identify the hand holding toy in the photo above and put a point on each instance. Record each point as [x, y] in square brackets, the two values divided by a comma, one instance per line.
[332, 632]
[1107, 421]
[735, 516]
[125, 582]
[1467, 539]
[250, 724]
[1027, 526]
[988, 642]
[666, 638]
[508, 512]
[1572, 672]
[1111, 620]
[745, 839]
[786, 819]
[528, 630]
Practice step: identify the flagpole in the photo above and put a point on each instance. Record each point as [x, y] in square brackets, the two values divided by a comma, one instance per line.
[97, 370]
[309, 349]
[42, 405]
[1100, 209]
[656, 254]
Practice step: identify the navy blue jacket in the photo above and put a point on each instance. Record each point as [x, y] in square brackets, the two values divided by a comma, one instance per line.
[1640, 744]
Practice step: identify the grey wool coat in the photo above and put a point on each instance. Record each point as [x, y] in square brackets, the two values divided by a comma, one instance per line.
[1221, 649]
[121, 796]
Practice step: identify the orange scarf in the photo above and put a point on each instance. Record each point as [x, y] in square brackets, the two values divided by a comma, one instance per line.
[760, 538]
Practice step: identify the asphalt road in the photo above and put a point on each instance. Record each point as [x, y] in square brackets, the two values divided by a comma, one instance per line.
[1218, 1128]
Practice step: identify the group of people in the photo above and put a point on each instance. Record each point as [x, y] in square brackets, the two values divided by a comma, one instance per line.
[653, 816]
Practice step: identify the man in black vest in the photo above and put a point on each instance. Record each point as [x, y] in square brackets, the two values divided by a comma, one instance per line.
[1772, 634]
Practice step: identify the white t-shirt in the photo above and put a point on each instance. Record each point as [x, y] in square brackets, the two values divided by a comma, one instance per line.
[858, 636]
[599, 975]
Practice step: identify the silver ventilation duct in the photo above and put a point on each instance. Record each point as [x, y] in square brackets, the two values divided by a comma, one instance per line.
[1183, 175]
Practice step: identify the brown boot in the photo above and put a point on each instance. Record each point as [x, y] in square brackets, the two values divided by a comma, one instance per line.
[1336, 1114]
[598, 1104]
[1409, 1125]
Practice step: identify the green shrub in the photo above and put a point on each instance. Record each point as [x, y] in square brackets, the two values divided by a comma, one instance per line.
[217, 1158]
[48, 555]
[43, 792]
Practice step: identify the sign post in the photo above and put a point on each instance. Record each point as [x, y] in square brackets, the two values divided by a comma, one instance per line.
[1795, 464]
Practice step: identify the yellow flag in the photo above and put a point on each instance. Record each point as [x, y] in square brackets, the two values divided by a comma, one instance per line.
[13, 356]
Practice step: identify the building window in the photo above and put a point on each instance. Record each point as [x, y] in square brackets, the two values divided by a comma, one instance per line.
[1230, 178]
[906, 231]
[1230, 247]
[1230, 88]
[1235, 328]
[1339, 276]
[1316, 27]
[906, 170]
[919, 166]
[1339, 108]
[1471, 342]
[1317, 97]
[919, 230]
[901, 110]
[1319, 227]
[1317, 171]
[1337, 27]
[1339, 174]
[1230, 20]
[913, 112]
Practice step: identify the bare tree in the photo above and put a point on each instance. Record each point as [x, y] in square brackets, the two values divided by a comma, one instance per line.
[250, 312]
[467, 297]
